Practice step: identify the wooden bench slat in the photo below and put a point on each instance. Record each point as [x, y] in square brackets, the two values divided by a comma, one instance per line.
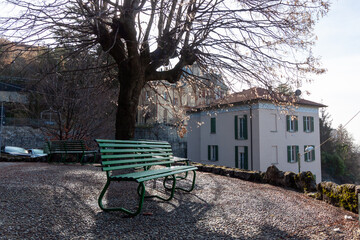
[165, 174]
[112, 168]
[134, 155]
[154, 172]
[139, 160]
[114, 145]
[131, 141]
[132, 150]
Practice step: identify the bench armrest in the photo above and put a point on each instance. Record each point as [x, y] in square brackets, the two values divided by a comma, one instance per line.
[179, 159]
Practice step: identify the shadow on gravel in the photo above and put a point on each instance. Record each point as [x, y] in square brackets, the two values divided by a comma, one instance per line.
[43, 201]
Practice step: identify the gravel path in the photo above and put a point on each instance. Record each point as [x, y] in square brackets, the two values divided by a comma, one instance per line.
[53, 201]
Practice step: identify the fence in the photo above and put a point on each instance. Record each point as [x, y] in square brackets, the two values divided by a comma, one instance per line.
[164, 132]
[30, 122]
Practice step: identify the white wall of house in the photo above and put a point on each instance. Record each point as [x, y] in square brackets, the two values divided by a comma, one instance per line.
[274, 139]
[267, 142]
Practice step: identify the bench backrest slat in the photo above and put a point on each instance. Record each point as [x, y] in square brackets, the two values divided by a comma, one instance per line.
[135, 161]
[136, 155]
[123, 154]
[119, 167]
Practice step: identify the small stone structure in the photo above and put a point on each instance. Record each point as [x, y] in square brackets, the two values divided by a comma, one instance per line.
[344, 196]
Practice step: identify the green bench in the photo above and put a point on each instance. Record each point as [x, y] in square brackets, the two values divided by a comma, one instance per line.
[66, 147]
[140, 158]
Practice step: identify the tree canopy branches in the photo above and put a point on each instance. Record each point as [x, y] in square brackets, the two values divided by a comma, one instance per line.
[260, 42]
[248, 39]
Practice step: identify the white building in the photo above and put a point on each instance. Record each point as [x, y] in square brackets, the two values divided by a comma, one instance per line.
[255, 129]
[163, 102]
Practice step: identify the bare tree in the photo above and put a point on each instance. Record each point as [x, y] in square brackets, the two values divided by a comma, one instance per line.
[246, 40]
[75, 104]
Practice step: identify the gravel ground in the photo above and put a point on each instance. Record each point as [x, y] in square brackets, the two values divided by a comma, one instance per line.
[53, 201]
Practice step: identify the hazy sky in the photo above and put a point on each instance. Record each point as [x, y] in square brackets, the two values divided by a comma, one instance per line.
[339, 48]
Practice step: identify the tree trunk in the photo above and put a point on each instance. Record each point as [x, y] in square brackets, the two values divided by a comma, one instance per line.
[131, 84]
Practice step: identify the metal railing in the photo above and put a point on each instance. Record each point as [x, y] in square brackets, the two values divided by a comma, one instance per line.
[26, 122]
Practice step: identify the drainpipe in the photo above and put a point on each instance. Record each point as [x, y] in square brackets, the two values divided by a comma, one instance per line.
[251, 136]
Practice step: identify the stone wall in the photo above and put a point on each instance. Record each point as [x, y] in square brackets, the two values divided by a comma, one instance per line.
[344, 196]
[26, 137]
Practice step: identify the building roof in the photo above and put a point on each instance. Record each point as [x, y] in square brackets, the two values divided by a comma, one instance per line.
[254, 95]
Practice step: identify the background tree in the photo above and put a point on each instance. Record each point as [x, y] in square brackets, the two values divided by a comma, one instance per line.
[339, 154]
[75, 104]
[247, 40]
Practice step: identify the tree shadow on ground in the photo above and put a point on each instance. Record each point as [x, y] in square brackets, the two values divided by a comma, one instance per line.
[49, 201]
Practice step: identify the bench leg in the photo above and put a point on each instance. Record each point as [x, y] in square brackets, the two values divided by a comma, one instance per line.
[164, 199]
[141, 201]
[186, 173]
[49, 157]
[186, 190]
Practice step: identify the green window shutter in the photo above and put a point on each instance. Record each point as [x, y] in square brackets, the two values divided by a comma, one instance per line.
[305, 154]
[288, 123]
[297, 153]
[236, 156]
[296, 124]
[245, 127]
[213, 125]
[209, 152]
[304, 123]
[246, 165]
[312, 124]
[236, 128]
[289, 153]
[313, 153]
[217, 153]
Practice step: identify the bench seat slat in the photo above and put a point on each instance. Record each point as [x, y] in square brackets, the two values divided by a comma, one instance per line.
[151, 174]
[136, 165]
[165, 174]
[138, 160]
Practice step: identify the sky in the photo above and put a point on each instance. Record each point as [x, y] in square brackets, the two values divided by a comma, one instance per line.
[339, 47]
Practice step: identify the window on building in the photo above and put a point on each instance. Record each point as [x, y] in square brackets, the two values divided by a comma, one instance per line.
[274, 155]
[213, 152]
[241, 129]
[310, 155]
[273, 120]
[241, 157]
[213, 125]
[165, 96]
[308, 124]
[292, 123]
[292, 153]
